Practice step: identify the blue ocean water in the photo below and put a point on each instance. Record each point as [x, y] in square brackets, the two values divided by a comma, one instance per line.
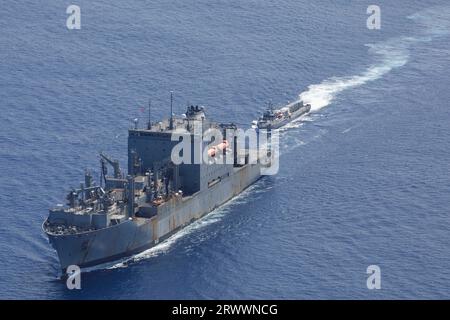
[364, 180]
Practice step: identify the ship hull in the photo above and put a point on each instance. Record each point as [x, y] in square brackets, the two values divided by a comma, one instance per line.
[138, 234]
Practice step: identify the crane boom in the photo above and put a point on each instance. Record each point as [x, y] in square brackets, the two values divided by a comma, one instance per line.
[114, 164]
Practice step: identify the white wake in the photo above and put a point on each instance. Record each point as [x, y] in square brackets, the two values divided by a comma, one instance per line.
[394, 54]
[390, 55]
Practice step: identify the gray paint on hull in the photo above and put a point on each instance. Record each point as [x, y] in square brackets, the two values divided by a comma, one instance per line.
[138, 234]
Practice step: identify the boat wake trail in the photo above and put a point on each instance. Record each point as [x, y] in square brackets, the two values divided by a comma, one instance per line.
[390, 54]
[387, 55]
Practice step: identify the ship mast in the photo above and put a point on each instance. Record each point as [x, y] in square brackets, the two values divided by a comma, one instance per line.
[171, 111]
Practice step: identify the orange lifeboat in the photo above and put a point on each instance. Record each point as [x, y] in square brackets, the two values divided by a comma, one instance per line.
[220, 147]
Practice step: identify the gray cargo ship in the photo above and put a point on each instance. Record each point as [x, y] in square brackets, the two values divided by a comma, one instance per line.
[276, 118]
[124, 215]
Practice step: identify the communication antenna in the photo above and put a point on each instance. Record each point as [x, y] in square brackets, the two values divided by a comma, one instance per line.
[171, 111]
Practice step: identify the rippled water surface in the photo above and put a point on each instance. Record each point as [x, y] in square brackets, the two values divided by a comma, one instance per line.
[364, 179]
